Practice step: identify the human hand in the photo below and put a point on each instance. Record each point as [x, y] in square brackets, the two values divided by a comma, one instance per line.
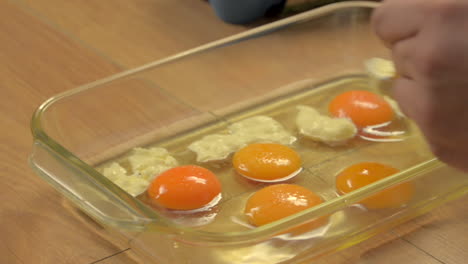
[429, 44]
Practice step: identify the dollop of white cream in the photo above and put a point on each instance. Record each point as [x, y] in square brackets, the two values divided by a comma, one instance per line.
[143, 165]
[329, 130]
[256, 129]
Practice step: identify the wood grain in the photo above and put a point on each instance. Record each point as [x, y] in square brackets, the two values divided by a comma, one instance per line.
[47, 47]
[444, 237]
[136, 33]
[7, 254]
[394, 251]
[37, 62]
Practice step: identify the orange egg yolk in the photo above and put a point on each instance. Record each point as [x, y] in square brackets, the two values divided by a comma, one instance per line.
[277, 201]
[362, 174]
[267, 161]
[362, 107]
[184, 188]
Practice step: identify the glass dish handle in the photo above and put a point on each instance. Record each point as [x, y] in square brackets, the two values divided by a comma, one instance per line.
[86, 192]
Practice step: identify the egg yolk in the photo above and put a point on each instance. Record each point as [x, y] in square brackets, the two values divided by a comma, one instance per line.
[184, 188]
[362, 107]
[267, 162]
[281, 200]
[362, 174]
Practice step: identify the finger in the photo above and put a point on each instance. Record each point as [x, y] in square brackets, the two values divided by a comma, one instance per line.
[401, 91]
[396, 20]
[416, 104]
[454, 156]
[403, 53]
[411, 98]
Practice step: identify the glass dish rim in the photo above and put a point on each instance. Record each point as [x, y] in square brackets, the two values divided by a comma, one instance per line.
[269, 230]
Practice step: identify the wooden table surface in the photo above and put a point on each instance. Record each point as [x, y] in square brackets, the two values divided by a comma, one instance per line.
[47, 47]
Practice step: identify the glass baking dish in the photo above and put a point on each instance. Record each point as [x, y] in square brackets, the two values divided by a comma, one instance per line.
[305, 59]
